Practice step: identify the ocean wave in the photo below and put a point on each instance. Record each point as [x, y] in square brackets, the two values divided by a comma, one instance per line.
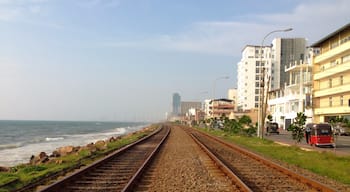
[10, 146]
[53, 138]
[120, 130]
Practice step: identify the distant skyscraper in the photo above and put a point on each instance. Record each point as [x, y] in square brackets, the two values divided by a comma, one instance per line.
[176, 103]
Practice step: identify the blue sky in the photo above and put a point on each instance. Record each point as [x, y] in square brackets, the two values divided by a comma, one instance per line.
[123, 59]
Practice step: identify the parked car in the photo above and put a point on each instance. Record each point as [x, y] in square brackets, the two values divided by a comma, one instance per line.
[342, 130]
[272, 127]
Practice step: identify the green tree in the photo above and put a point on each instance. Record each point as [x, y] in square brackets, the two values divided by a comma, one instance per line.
[242, 125]
[297, 127]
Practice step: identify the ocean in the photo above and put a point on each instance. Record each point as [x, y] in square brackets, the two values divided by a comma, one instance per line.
[19, 140]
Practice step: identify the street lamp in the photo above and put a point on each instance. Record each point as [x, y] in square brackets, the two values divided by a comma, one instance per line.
[262, 104]
[214, 86]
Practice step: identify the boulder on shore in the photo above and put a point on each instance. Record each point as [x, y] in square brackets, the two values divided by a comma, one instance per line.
[101, 145]
[39, 159]
[91, 147]
[5, 169]
[62, 151]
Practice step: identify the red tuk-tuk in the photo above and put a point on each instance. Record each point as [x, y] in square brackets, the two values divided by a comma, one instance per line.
[320, 134]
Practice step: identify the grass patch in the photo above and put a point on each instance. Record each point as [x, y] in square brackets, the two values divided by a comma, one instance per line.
[322, 163]
[23, 174]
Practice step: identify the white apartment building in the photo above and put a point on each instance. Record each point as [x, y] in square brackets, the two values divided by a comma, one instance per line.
[296, 96]
[249, 75]
[290, 81]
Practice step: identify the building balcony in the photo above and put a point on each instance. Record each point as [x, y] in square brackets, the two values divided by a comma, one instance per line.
[222, 111]
[332, 110]
[332, 52]
[332, 71]
[332, 91]
[296, 85]
[223, 107]
[297, 66]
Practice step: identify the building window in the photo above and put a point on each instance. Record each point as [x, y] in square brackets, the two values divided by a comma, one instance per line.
[257, 91]
[341, 80]
[345, 59]
[334, 44]
[330, 101]
[330, 83]
[341, 100]
[256, 98]
[257, 63]
[334, 63]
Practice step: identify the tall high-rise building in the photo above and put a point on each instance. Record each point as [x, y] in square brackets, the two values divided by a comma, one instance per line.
[284, 52]
[250, 74]
[176, 104]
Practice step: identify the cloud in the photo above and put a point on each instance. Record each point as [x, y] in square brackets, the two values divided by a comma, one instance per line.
[314, 20]
[11, 10]
[95, 3]
[311, 19]
[9, 14]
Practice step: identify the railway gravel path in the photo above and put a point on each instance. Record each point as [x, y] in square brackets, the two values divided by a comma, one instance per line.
[182, 166]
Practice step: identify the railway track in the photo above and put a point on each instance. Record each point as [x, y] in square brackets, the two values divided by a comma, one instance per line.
[255, 172]
[182, 165]
[116, 172]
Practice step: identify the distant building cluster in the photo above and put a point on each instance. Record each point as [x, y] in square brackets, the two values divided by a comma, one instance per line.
[287, 77]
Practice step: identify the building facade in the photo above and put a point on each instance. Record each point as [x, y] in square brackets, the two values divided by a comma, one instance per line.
[331, 77]
[217, 108]
[290, 80]
[249, 74]
[187, 105]
[285, 51]
[295, 97]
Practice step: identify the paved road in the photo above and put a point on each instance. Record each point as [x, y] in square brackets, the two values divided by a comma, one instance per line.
[342, 143]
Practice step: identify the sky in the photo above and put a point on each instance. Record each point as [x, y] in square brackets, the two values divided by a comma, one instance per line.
[121, 60]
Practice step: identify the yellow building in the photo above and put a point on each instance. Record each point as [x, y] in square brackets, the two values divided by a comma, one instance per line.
[331, 76]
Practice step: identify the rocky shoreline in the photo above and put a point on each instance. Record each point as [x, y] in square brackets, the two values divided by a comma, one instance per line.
[91, 148]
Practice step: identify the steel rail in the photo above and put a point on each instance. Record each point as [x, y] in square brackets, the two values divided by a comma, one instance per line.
[133, 181]
[308, 181]
[56, 186]
[227, 171]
